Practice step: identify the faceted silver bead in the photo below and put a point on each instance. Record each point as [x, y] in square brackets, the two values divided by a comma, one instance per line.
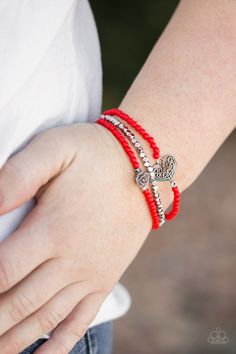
[146, 164]
[173, 184]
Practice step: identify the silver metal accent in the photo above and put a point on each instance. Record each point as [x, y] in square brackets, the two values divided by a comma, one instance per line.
[162, 222]
[165, 168]
[160, 209]
[173, 184]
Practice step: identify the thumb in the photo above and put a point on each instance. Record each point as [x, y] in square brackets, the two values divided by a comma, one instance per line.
[23, 174]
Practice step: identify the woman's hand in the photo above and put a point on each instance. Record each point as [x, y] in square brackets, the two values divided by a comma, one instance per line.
[89, 222]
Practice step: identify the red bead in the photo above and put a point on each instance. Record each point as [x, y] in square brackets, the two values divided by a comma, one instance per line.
[175, 207]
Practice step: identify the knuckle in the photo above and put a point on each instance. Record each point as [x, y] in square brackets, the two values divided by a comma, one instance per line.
[14, 346]
[60, 347]
[17, 347]
[15, 171]
[104, 290]
[21, 307]
[79, 332]
[48, 139]
[49, 320]
[6, 275]
[73, 335]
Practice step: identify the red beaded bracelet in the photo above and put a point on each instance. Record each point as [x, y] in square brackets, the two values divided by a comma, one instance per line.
[125, 145]
[156, 154]
[141, 177]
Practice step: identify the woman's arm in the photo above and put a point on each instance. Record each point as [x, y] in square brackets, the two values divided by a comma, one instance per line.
[185, 93]
[91, 219]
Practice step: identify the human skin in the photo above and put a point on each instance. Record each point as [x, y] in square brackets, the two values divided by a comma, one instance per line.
[91, 219]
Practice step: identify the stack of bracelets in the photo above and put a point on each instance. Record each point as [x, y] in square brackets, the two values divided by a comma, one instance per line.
[162, 170]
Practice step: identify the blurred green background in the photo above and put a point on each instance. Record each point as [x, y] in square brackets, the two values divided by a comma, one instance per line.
[128, 30]
[183, 281]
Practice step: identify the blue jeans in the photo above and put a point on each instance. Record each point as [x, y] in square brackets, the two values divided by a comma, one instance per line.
[97, 340]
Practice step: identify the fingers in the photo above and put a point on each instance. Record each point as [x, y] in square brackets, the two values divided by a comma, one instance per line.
[74, 327]
[32, 293]
[24, 250]
[25, 172]
[42, 321]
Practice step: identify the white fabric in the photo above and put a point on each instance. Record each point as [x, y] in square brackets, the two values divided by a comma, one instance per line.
[50, 74]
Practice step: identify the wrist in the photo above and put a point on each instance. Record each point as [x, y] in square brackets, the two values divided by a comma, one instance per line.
[160, 170]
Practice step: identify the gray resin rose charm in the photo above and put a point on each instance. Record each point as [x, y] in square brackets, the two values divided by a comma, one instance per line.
[142, 179]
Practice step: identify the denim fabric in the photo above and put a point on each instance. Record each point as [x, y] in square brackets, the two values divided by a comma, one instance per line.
[97, 340]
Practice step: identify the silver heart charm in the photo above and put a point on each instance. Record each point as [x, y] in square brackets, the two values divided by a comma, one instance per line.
[142, 179]
[165, 167]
